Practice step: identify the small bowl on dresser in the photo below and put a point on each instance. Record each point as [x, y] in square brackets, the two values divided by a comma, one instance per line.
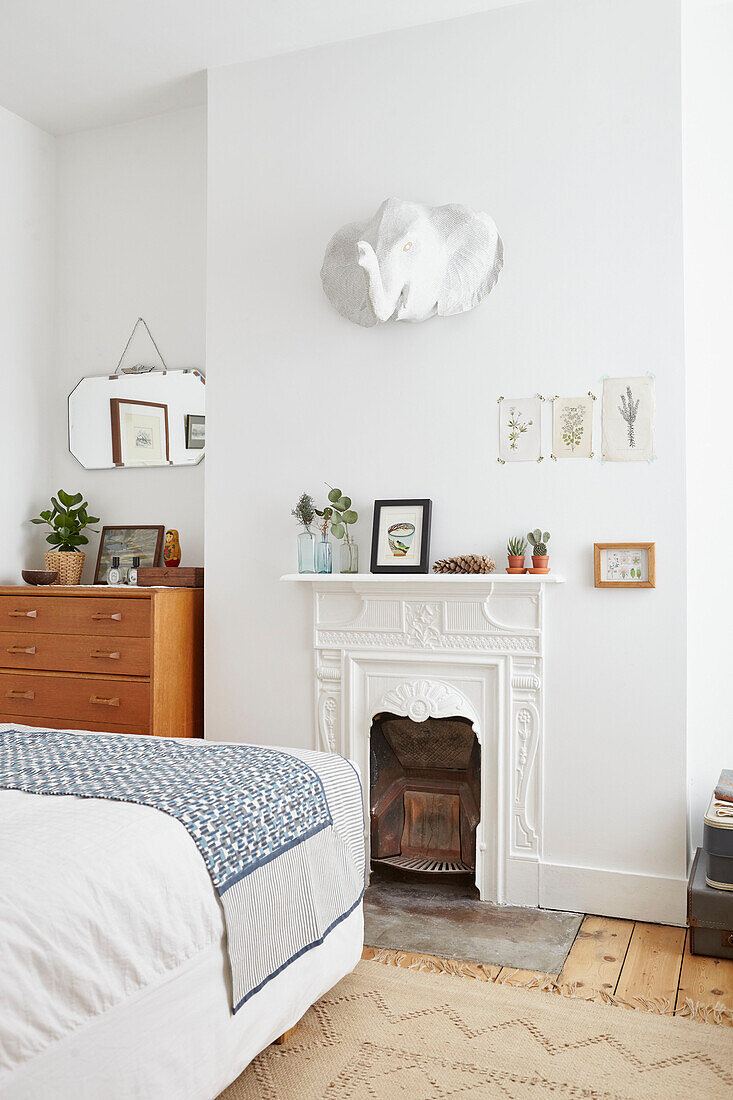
[39, 576]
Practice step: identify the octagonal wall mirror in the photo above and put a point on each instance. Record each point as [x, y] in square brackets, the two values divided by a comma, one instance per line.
[124, 420]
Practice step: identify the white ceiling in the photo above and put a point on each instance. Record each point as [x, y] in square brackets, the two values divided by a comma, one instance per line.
[73, 64]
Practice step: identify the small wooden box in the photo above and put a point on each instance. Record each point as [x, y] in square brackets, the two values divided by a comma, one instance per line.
[186, 576]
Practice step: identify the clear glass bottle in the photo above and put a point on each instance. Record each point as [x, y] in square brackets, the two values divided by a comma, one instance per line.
[113, 573]
[324, 555]
[306, 551]
[132, 571]
[349, 556]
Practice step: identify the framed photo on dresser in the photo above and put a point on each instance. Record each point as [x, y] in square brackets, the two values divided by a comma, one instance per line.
[126, 543]
[401, 536]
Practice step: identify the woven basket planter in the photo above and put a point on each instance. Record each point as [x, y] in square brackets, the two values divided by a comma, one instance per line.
[68, 564]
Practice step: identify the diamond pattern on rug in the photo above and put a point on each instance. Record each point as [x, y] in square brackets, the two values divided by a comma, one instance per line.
[384, 1033]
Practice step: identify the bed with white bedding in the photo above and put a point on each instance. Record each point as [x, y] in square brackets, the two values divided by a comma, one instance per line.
[115, 964]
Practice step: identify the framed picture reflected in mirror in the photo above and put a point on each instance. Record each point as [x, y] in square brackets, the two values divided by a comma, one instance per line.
[139, 433]
[195, 432]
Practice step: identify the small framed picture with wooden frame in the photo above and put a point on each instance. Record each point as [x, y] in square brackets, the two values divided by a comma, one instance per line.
[624, 565]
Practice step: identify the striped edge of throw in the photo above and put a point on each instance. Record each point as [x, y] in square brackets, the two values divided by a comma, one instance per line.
[432, 964]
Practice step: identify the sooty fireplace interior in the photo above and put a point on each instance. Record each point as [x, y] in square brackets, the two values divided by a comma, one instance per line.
[424, 794]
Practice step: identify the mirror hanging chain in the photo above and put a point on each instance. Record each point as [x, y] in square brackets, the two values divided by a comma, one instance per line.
[139, 368]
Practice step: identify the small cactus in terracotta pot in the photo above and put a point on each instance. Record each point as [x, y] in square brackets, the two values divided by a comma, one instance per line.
[515, 551]
[539, 540]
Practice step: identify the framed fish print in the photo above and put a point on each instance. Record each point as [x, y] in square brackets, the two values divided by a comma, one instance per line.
[401, 536]
[624, 564]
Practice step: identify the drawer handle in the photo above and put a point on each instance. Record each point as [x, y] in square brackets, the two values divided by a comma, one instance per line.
[23, 614]
[100, 702]
[109, 656]
[21, 649]
[98, 616]
[20, 694]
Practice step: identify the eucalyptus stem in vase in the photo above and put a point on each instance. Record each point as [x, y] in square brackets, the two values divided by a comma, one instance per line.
[324, 547]
[342, 516]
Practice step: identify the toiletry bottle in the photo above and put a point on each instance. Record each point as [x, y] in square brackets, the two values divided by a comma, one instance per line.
[113, 573]
[132, 572]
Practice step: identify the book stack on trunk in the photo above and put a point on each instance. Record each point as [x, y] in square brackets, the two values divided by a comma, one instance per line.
[710, 891]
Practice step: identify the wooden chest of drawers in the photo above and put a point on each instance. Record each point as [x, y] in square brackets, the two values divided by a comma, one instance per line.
[126, 660]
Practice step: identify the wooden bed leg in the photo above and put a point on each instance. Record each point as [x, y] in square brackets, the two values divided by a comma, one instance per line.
[285, 1035]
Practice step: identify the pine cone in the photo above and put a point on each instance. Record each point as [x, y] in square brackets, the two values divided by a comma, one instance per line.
[465, 563]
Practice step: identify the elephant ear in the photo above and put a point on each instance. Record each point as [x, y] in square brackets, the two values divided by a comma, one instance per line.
[344, 281]
[475, 257]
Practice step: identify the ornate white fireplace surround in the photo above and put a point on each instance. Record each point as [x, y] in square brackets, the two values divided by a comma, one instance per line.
[436, 646]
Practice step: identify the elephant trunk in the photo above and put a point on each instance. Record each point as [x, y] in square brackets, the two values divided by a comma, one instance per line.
[383, 304]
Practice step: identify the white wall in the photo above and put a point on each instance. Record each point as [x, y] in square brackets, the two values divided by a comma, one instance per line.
[131, 219]
[26, 321]
[562, 120]
[708, 214]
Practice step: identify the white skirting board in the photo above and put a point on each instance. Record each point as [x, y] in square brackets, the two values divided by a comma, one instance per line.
[653, 898]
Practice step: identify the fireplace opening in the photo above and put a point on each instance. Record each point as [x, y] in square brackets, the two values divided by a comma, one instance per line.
[425, 785]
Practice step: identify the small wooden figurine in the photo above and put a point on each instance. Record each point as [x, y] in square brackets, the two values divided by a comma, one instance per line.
[172, 549]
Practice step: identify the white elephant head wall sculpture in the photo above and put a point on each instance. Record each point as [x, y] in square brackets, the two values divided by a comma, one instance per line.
[410, 261]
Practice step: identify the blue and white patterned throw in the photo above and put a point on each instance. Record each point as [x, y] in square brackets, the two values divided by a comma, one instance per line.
[242, 805]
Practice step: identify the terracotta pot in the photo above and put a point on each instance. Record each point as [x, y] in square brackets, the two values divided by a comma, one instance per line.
[539, 561]
[68, 564]
[516, 561]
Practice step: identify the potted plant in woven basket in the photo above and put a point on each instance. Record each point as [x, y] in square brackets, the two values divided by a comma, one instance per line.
[68, 518]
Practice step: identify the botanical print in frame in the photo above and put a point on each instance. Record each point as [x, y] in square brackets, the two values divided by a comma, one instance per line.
[520, 429]
[624, 564]
[139, 433]
[401, 536]
[127, 543]
[572, 427]
[628, 419]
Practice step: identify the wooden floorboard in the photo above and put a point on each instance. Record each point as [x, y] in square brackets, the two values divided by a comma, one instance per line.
[651, 970]
[706, 981]
[596, 957]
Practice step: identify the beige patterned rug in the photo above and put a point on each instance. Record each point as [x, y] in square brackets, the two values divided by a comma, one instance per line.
[386, 1033]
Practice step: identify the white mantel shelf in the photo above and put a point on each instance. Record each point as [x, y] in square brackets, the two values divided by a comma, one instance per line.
[425, 578]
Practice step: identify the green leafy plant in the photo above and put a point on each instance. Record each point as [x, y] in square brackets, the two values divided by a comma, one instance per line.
[68, 518]
[340, 513]
[516, 547]
[539, 542]
[304, 511]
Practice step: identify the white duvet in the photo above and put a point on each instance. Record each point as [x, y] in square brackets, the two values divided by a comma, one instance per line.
[81, 932]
